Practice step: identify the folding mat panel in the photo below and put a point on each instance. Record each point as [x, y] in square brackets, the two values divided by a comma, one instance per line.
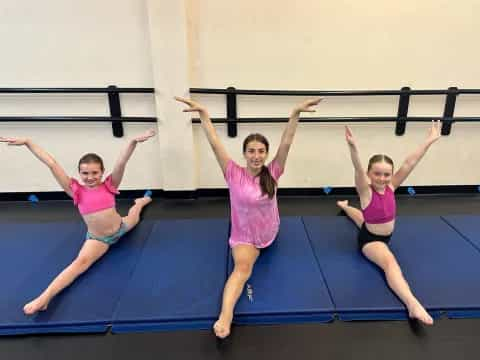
[287, 285]
[467, 226]
[179, 280]
[33, 254]
[440, 266]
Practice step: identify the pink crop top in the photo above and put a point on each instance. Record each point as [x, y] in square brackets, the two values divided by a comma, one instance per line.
[382, 208]
[96, 199]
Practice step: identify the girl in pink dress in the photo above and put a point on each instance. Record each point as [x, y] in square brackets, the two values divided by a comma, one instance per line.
[96, 202]
[376, 219]
[254, 212]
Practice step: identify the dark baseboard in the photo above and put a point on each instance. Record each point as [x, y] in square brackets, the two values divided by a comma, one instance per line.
[202, 193]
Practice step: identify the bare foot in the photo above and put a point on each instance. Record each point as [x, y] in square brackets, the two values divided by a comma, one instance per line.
[417, 311]
[143, 200]
[34, 306]
[342, 204]
[222, 326]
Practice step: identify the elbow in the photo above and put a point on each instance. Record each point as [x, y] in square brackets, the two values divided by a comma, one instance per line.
[51, 163]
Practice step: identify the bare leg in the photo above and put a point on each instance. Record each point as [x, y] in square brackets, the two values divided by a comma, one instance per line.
[133, 217]
[353, 213]
[380, 254]
[244, 257]
[91, 251]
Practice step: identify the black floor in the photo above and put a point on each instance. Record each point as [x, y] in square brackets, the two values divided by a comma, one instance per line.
[447, 339]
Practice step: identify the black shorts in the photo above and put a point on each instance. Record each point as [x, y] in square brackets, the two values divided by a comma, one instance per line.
[365, 237]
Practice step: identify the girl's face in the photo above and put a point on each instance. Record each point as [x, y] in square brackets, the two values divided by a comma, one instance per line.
[255, 154]
[380, 175]
[91, 174]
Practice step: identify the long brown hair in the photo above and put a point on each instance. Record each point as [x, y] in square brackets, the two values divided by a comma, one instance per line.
[378, 158]
[267, 182]
[91, 158]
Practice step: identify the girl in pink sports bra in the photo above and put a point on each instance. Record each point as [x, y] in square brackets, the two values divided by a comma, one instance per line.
[254, 213]
[376, 218]
[96, 202]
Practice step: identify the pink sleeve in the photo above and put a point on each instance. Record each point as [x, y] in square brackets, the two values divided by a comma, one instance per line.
[232, 170]
[75, 186]
[108, 184]
[275, 169]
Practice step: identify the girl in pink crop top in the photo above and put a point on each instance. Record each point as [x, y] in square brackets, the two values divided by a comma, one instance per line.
[254, 213]
[96, 202]
[382, 207]
[91, 200]
[376, 218]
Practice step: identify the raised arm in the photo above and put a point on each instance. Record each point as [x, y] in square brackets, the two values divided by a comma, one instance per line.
[361, 180]
[210, 132]
[290, 129]
[119, 168]
[62, 178]
[412, 160]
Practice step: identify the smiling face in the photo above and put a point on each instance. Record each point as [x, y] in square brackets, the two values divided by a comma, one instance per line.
[90, 169]
[380, 175]
[380, 171]
[91, 174]
[256, 154]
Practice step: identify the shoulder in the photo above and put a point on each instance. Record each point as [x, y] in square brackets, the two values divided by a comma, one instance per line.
[233, 170]
[275, 169]
[109, 185]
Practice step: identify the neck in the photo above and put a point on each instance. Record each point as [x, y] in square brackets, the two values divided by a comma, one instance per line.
[380, 190]
[253, 172]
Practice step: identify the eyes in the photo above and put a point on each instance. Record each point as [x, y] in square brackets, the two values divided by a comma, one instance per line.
[93, 173]
[378, 173]
[260, 151]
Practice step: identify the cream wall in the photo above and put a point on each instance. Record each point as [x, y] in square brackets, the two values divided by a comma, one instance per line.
[333, 45]
[174, 45]
[66, 43]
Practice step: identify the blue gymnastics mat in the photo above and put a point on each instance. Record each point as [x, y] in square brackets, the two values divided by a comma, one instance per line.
[35, 253]
[286, 285]
[438, 264]
[468, 226]
[179, 280]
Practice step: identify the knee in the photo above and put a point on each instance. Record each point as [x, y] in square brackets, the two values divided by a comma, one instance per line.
[243, 271]
[391, 267]
[82, 263]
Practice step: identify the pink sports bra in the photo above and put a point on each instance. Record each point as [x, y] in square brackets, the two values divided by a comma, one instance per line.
[382, 208]
[96, 199]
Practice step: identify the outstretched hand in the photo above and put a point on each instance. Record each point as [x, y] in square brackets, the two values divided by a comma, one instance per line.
[145, 136]
[13, 141]
[193, 105]
[307, 106]
[349, 136]
[434, 133]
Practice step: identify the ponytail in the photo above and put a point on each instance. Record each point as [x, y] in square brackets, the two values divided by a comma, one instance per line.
[267, 182]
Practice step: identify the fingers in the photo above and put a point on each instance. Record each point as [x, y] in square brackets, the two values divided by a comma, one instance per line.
[10, 141]
[309, 103]
[316, 101]
[185, 101]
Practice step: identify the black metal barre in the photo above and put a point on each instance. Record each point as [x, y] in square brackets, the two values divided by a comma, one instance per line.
[113, 92]
[401, 119]
[75, 90]
[78, 118]
[329, 92]
[335, 119]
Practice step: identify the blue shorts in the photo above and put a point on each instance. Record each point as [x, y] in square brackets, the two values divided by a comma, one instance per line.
[110, 239]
